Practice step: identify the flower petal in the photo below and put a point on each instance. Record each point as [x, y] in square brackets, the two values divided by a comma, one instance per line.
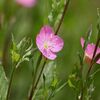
[90, 50]
[46, 32]
[39, 42]
[82, 41]
[98, 62]
[56, 44]
[48, 54]
[26, 3]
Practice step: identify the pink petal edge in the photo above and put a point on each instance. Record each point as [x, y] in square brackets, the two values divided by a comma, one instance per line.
[57, 44]
[48, 54]
[82, 42]
[26, 3]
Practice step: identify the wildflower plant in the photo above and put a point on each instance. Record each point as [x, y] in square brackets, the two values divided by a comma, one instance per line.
[45, 83]
[49, 43]
[82, 79]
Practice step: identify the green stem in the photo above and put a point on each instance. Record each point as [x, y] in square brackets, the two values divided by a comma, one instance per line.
[35, 86]
[62, 18]
[59, 89]
[34, 76]
[82, 93]
[11, 78]
[10, 82]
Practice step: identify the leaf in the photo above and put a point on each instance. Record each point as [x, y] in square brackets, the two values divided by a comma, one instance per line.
[3, 84]
[47, 83]
[50, 72]
[88, 36]
[21, 51]
[56, 12]
[80, 56]
[15, 56]
[61, 87]
[19, 45]
[70, 84]
[54, 83]
[89, 89]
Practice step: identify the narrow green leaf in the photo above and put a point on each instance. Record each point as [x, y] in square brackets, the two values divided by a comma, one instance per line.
[56, 12]
[70, 84]
[88, 36]
[3, 84]
[49, 79]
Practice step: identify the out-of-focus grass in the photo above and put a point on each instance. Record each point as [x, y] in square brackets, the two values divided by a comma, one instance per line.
[81, 14]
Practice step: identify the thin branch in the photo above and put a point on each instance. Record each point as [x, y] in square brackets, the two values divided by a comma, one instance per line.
[34, 77]
[35, 86]
[11, 79]
[62, 18]
[10, 82]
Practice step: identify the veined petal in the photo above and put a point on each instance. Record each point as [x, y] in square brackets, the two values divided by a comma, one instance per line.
[39, 42]
[46, 32]
[56, 44]
[48, 54]
[90, 50]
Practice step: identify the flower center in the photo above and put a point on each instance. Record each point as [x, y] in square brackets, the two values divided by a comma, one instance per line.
[45, 45]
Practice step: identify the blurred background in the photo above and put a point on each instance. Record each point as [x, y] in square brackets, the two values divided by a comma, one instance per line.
[81, 14]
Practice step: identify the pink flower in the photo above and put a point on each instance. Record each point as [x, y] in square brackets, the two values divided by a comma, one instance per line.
[26, 3]
[49, 43]
[89, 51]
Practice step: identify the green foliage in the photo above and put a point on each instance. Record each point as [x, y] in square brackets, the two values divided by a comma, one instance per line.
[83, 82]
[83, 88]
[75, 79]
[15, 56]
[56, 12]
[48, 83]
[22, 51]
[89, 88]
[3, 84]
[70, 84]
[88, 36]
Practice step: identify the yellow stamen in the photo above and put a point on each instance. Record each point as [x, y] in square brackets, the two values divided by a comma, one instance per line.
[45, 45]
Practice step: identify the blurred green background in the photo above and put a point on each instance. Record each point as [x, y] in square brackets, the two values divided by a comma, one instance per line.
[81, 14]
